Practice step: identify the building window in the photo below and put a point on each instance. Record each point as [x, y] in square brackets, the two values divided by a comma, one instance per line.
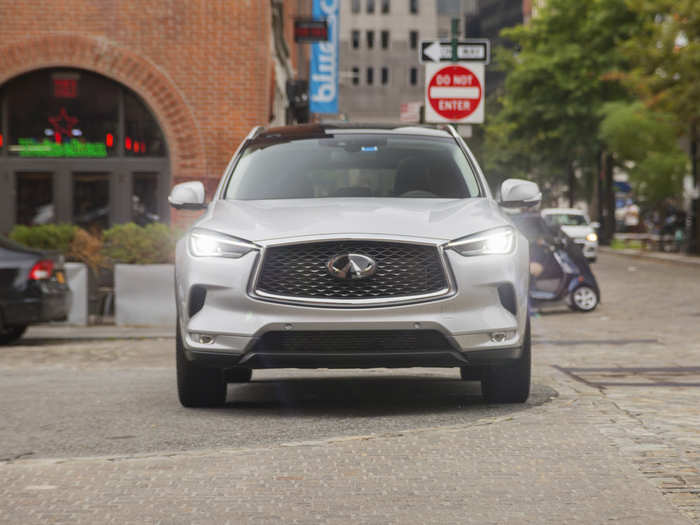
[370, 39]
[385, 39]
[355, 6]
[413, 6]
[91, 200]
[386, 6]
[355, 76]
[34, 198]
[370, 6]
[75, 114]
[385, 76]
[144, 199]
[143, 135]
[62, 113]
[370, 76]
[355, 39]
[81, 117]
[414, 76]
[413, 39]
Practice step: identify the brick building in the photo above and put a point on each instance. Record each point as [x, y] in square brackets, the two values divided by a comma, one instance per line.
[105, 104]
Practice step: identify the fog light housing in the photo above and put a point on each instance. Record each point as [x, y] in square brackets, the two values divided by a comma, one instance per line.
[202, 339]
[498, 337]
[501, 337]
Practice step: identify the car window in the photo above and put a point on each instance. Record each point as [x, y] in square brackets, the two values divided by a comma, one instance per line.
[565, 219]
[353, 166]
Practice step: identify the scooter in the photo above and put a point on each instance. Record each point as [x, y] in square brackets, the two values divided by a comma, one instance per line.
[558, 269]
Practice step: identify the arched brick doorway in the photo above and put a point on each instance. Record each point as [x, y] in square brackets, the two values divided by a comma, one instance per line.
[185, 152]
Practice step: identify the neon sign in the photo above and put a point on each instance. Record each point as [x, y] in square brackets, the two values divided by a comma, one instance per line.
[48, 148]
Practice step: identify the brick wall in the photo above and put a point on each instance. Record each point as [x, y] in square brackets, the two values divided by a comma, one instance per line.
[203, 66]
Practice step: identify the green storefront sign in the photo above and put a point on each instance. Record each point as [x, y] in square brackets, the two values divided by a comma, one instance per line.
[48, 148]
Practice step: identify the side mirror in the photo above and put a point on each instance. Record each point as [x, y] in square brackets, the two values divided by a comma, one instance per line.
[187, 196]
[595, 225]
[518, 193]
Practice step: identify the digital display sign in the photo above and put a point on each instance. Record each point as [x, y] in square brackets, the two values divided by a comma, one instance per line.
[65, 87]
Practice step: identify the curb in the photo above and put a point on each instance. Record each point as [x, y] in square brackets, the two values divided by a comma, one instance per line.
[687, 260]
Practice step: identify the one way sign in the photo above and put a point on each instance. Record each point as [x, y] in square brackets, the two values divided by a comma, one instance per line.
[473, 50]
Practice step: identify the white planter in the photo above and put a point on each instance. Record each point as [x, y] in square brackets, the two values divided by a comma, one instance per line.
[77, 277]
[144, 294]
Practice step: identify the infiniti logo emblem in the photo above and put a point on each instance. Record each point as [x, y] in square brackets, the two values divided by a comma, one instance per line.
[349, 266]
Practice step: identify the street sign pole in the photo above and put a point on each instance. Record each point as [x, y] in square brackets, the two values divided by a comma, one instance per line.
[455, 38]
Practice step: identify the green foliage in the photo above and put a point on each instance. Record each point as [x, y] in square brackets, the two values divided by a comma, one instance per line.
[556, 85]
[645, 141]
[133, 244]
[55, 237]
[666, 57]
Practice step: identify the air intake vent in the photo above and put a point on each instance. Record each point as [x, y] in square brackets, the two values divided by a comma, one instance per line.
[198, 295]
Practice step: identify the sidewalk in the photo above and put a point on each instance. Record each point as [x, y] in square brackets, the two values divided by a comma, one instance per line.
[654, 256]
[95, 332]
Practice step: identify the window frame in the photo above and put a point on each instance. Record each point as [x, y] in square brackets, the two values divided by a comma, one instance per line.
[385, 38]
[385, 77]
[413, 38]
[413, 76]
[355, 38]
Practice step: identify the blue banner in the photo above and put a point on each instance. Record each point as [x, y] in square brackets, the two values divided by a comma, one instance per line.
[323, 84]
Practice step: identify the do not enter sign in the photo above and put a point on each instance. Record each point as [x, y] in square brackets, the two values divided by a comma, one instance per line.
[454, 93]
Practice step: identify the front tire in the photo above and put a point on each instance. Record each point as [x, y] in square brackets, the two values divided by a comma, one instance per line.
[197, 386]
[510, 383]
[584, 299]
[10, 334]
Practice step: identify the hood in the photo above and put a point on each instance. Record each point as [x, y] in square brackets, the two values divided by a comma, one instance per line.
[576, 232]
[439, 219]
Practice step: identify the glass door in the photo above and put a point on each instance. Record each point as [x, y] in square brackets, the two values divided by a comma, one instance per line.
[91, 204]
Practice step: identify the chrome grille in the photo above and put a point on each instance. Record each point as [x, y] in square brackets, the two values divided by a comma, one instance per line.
[403, 270]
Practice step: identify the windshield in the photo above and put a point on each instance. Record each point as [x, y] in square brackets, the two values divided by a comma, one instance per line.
[565, 219]
[353, 166]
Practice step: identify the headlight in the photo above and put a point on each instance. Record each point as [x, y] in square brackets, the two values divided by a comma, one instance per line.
[204, 243]
[498, 241]
[592, 237]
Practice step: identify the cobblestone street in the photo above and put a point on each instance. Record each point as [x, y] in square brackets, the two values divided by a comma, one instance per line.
[92, 431]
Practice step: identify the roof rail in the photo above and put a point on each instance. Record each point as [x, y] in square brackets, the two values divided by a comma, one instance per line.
[453, 131]
[255, 132]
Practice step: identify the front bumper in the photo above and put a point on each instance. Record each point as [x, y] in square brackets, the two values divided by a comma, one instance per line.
[226, 328]
[589, 249]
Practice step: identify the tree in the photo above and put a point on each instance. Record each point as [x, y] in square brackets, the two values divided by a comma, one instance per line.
[556, 85]
[646, 143]
[666, 73]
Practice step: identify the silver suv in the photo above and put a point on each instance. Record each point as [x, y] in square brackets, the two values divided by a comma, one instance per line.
[351, 246]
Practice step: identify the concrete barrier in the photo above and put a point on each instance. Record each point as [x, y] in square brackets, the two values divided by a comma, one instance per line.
[77, 277]
[144, 295]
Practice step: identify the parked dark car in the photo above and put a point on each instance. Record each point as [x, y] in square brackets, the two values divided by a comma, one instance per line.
[559, 271]
[33, 289]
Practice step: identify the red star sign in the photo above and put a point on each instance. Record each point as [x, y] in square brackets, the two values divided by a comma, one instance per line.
[63, 124]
